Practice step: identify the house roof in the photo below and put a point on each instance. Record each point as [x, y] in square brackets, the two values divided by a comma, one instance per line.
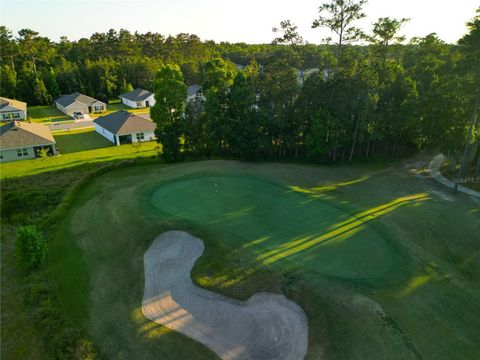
[7, 105]
[123, 123]
[137, 95]
[67, 100]
[192, 90]
[18, 134]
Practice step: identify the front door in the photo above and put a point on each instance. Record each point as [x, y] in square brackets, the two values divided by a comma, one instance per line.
[147, 103]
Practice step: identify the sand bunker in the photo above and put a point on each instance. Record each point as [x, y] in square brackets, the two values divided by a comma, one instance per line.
[267, 326]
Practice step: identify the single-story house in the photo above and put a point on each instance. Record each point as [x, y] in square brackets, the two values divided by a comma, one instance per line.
[20, 140]
[12, 109]
[138, 98]
[123, 127]
[76, 102]
[192, 91]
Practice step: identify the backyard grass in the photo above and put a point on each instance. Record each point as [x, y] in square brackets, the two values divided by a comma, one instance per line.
[383, 267]
[73, 159]
[47, 113]
[80, 140]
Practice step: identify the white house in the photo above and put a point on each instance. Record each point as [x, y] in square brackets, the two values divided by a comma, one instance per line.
[12, 109]
[138, 98]
[123, 127]
[192, 91]
[76, 102]
[20, 140]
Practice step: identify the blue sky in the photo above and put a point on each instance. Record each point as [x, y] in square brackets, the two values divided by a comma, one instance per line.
[235, 21]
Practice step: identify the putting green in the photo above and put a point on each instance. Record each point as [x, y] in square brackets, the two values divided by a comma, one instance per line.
[279, 225]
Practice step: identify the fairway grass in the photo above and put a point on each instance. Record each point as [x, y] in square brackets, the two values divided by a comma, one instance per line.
[382, 267]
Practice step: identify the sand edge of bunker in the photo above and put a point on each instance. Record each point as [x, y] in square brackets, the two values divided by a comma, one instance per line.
[268, 325]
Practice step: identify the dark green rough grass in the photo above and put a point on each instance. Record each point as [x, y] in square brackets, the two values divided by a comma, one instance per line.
[20, 339]
[425, 307]
[82, 140]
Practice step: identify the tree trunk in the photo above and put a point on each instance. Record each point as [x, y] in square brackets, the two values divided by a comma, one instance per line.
[477, 170]
[355, 133]
[368, 148]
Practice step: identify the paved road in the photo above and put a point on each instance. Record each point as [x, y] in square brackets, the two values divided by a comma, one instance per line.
[62, 126]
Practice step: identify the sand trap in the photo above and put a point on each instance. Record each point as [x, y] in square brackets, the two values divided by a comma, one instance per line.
[267, 326]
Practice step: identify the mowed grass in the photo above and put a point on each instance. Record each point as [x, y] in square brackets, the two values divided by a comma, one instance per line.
[383, 267]
[73, 159]
[80, 140]
[47, 113]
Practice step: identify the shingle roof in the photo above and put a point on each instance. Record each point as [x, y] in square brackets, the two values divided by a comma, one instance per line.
[123, 123]
[7, 105]
[67, 100]
[19, 134]
[137, 95]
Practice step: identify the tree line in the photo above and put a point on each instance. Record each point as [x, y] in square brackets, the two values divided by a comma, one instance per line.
[289, 99]
[383, 98]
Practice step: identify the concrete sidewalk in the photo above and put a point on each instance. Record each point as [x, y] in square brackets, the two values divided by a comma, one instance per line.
[434, 169]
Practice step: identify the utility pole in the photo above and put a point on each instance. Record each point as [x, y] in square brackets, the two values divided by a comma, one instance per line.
[465, 153]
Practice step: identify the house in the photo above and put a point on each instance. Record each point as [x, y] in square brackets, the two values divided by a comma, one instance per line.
[20, 140]
[138, 98]
[12, 109]
[123, 127]
[76, 102]
[192, 91]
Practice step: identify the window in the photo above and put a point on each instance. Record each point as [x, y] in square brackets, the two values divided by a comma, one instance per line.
[19, 152]
[16, 116]
[22, 152]
[98, 107]
[140, 136]
[25, 152]
[139, 103]
[6, 116]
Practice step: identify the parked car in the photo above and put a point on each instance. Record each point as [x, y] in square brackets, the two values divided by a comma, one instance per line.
[78, 115]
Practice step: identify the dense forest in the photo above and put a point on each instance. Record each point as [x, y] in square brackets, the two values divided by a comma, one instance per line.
[337, 101]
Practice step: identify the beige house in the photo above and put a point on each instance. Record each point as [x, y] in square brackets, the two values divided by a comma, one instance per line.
[12, 109]
[21, 140]
[76, 102]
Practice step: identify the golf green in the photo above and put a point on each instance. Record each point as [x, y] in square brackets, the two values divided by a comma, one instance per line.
[279, 225]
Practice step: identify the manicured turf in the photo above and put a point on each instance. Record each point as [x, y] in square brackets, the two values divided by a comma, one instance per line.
[47, 113]
[80, 140]
[280, 225]
[36, 166]
[402, 283]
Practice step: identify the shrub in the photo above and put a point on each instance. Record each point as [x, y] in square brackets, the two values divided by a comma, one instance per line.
[30, 248]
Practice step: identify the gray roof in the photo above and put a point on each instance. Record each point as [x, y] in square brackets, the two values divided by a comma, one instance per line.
[123, 123]
[18, 134]
[7, 105]
[192, 90]
[137, 95]
[67, 100]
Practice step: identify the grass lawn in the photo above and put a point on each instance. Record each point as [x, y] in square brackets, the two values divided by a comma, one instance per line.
[73, 159]
[47, 113]
[80, 140]
[382, 266]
